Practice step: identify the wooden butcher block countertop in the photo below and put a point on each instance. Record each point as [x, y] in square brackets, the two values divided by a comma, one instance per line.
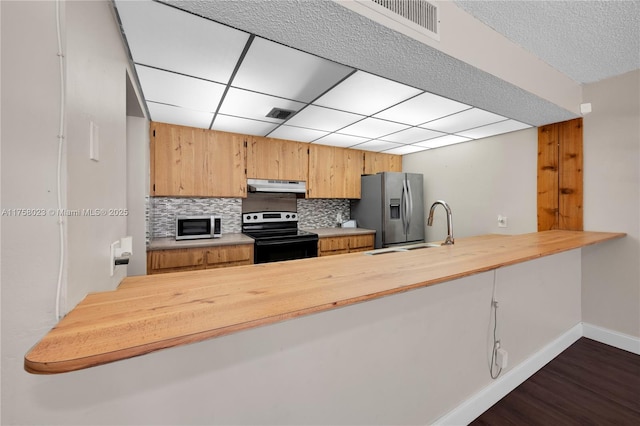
[153, 312]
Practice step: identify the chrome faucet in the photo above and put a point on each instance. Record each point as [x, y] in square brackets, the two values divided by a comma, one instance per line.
[449, 240]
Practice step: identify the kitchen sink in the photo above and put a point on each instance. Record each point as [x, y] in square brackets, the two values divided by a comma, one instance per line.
[396, 249]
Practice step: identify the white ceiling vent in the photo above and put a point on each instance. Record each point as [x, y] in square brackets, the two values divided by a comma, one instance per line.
[419, 15]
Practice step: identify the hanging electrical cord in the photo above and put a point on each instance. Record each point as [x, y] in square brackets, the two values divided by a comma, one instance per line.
[496, 342]
[59, 168]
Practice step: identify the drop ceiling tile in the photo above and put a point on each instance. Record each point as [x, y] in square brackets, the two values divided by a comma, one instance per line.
[405, 149]
[494, 129]
[254, 106]
[377, 145]
[244, 126]
[279, 70]
[412, 135]
[296, 133]
[181, 116]
[168, 38]
[366, 94]
[464, 120]
[372, 128]
[179, 90]
[421, 109]
[443, 141]
[336, 139]
[318, 118]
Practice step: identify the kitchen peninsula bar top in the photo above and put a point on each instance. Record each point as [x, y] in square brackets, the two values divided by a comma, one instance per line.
[149, 313]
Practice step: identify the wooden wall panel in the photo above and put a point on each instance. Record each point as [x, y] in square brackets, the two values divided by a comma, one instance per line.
[560, 163]
[570, 191]
[548, 177]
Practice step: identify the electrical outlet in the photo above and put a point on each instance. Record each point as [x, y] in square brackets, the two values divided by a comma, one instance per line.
[502, 358]
[502, 221]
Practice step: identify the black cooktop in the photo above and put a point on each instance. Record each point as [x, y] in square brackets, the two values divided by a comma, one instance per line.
[264, 234]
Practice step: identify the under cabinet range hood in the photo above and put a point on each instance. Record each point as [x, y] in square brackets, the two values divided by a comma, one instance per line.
[282, 186]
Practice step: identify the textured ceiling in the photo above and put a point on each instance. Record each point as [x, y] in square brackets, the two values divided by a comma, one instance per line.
[329, 30]
[586, 40]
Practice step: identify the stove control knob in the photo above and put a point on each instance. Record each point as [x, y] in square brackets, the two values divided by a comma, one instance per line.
[288, 216]
[255, 217]
[248, 217]
[293, 216]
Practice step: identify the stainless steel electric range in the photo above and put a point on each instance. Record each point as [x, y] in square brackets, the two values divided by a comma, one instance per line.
[277, 236]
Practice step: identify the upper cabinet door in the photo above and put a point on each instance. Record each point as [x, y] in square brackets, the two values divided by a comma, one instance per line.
[191, 162]
[269, 158]
[376, 162]
[334, 172]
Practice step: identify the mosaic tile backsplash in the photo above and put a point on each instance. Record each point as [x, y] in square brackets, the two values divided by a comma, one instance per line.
[321, 213]
[162, 211]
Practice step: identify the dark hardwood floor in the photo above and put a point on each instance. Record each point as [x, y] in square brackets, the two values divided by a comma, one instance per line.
[590, 383]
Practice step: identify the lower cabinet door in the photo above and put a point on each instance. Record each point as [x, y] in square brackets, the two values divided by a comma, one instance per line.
[191, 259]
[329, 246]
[220, 257]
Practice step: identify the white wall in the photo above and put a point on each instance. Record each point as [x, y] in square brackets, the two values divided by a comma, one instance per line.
[137, 189]
[96, 78]
[96, 65]
[29, 129]
[611, 272]
[481, 180]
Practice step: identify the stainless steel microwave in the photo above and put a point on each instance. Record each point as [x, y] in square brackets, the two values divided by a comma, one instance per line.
[196, 227]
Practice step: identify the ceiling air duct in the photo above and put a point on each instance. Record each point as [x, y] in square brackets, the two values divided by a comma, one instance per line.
[417, 15]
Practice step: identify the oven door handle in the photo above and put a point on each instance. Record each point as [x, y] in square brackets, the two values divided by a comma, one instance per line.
[284, 242]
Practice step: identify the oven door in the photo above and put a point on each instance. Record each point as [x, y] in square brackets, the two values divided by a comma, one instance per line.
[275, 250]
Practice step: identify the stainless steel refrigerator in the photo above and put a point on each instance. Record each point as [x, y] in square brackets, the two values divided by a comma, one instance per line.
[393, 205]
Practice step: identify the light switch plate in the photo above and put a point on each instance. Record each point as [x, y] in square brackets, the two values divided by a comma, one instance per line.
[94, 141]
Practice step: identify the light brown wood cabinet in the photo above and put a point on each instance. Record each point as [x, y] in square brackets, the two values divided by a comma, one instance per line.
[269, 158]
[334, 172]
[376, 162]
[186, 161]
[192, 162]
[191, 259]
[329, 246]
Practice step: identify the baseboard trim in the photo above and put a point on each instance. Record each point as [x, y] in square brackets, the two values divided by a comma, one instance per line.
[470, 409]
[481, 401]
[612, 338]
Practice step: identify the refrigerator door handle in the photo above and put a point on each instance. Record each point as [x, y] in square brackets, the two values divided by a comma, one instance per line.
[405, 217]
[410, 215]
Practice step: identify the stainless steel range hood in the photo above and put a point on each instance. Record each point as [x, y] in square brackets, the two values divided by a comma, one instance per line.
[281, 186]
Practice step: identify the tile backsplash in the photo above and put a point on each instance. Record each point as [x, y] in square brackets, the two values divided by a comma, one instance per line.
[321, 213]
[162, 212]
